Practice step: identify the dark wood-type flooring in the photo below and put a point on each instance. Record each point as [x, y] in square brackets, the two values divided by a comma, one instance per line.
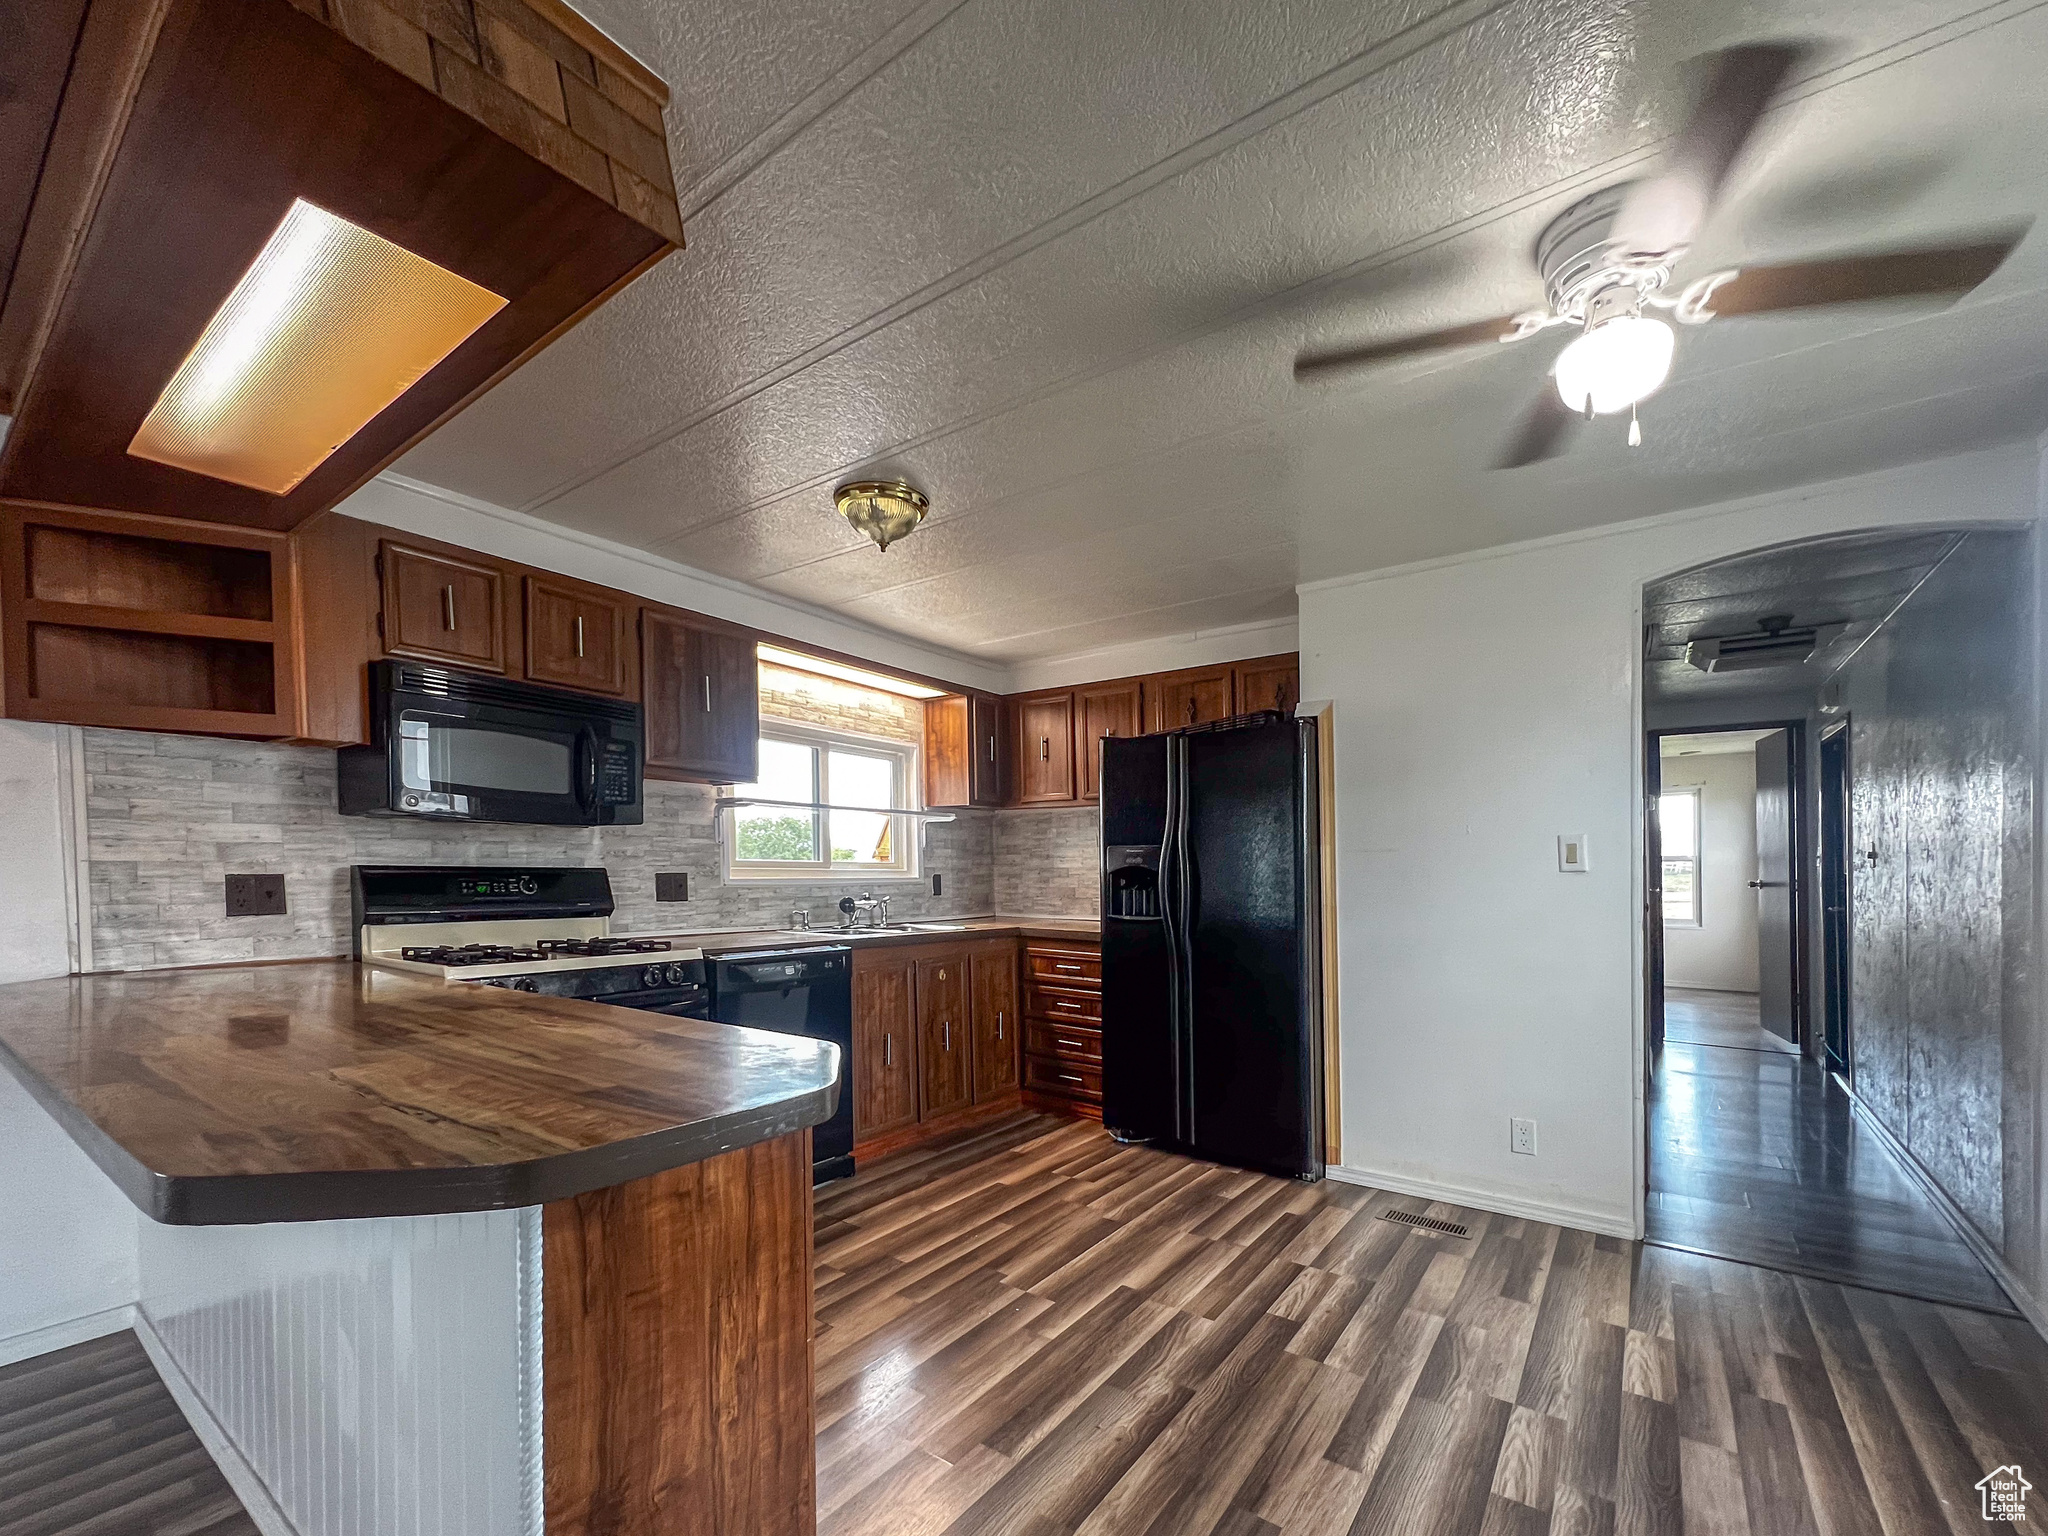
[1697, 1017]
[92, 1444]
[1038, 1331]
[1760, 1156]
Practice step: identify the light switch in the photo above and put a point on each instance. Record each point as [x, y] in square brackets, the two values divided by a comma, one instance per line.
[1571, 852]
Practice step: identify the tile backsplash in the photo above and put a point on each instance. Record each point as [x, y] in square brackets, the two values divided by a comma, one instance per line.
[169, 816]
[1048, 863]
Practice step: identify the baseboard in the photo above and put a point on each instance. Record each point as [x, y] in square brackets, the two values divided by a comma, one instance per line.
[247, 1482]
[1488, 1200]
[42, 1341]
[1966, 1229]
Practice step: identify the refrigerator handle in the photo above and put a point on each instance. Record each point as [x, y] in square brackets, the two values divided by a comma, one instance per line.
[1183, 955]
[1168, 914]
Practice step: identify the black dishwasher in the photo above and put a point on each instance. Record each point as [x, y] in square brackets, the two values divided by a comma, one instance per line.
[798, 992]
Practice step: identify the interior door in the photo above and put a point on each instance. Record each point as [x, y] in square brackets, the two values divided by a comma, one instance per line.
[1776, 870]
[1653, 901]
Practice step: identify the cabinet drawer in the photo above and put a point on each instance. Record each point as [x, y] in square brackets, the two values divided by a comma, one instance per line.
[1047, 1074]
[1068, 1043]
[1052, 1003]
[1064, 968]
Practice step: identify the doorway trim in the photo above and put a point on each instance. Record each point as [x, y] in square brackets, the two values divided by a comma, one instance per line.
[1802, 836]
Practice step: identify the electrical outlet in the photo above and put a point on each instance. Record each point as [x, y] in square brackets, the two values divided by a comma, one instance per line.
[255, 895]
[1524, 1134]
[935, 885]
[673, 887]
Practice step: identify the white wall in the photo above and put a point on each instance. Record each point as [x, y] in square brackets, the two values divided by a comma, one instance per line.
[67, 1236]
[1719, 954]
[1477, 983]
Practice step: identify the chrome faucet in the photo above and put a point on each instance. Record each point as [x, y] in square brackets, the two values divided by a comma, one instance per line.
[853, 908]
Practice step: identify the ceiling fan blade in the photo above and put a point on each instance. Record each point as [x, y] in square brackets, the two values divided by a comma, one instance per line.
[1664, 213]
[1951, 270]
[1544, 431]
[1316, 365]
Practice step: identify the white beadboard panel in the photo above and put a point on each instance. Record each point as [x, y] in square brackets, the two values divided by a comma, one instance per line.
[169, 816]
[374, 1374]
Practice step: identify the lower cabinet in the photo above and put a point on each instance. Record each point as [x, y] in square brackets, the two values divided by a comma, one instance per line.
[936, 1036]
[1063, 1026]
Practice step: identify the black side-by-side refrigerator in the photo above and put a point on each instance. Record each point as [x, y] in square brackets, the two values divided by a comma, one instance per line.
[1211, 985]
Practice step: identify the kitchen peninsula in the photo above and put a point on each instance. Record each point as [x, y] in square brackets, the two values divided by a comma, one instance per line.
[669, 1160]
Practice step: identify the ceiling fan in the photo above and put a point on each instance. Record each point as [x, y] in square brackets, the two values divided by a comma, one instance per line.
[1607, 264]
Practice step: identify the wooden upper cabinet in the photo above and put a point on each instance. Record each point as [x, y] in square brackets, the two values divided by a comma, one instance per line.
[1045, 748]
[703, 700]
[438, 607]
[989, 770]
[146, 623]
[964, 761]
[1108, 709]
[945, 1042]
[575, 636]
[1271, 683]
[992, 985]
[1193, 697]
[885, 1081]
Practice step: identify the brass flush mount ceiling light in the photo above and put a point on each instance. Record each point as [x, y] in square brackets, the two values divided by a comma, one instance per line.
[329, 325]
[884, 510]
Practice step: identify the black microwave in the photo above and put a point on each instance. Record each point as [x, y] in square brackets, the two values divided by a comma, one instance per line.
[463, 746]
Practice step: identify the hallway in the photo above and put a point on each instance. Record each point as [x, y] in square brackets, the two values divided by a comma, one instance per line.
[1757, 1154]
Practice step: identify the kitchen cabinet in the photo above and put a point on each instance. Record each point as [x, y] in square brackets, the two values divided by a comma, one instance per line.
[145, 623]
[992, 988]
[441, 607]
[1045, 747]
[1063, 1026]
[1271, 683]
[703, 700]
[945, 1043]
[885, 1080]
[1107, 709]
[964, 760]
[1193, 697]
[575, 635]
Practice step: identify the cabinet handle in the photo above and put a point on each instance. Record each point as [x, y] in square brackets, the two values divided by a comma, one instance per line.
[999, 1023]
[1063, 966]
[579, 637]
[707, 693]
[448, 606]
[991, 749]
[1070, 1044]
[1191, 711]
[1067, 1077]
[1044, 749]
[946, 1034]
[888, 1049]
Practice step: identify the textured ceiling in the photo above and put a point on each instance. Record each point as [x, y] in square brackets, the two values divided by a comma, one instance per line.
[1052, 260]
[1856, 581]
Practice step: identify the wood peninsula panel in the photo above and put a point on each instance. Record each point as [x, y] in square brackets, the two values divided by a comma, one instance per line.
[677, 1346]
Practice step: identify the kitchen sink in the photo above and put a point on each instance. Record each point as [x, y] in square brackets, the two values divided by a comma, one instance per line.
[936, 927]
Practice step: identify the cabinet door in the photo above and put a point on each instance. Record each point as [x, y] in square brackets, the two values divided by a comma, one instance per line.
[1271, 684]
[884, 1045]
[1045, 749]
[944, 1043]
[1105, 711]
[992, 980]
[948, 752]
[1189, 698]
[443, 609]
[703, 692]
[985, 743]
[575, 638]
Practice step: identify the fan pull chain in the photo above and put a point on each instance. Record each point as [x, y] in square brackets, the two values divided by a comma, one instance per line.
[1635, 429]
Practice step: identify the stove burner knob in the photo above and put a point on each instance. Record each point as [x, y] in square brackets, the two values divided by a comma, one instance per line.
[526, 984]
[527, 885]
[677, 975]
[653, 976]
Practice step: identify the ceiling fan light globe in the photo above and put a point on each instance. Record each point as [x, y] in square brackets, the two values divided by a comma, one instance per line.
[1616, 364]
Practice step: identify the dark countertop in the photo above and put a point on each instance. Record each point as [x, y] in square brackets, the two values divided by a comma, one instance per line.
[1085, 930]
[313, 1090]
